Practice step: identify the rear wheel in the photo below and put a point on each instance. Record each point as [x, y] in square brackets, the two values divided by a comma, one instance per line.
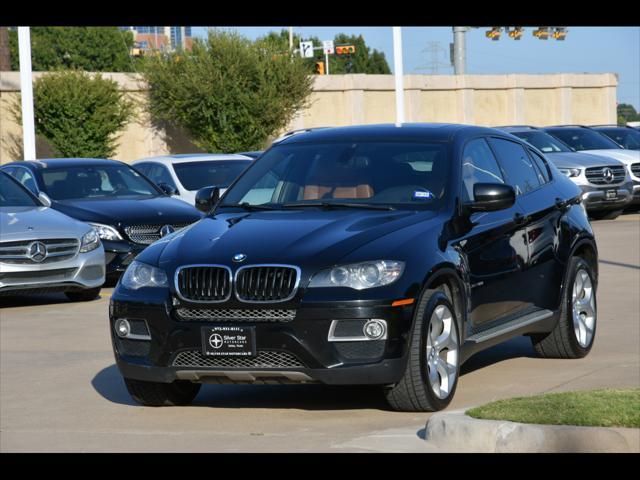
[605, 214]
[575, 332]
[155, 394]
[83, 295]
[431, 374]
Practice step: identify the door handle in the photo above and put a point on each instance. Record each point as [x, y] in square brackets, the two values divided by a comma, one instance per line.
[561, 204]
[519, 219]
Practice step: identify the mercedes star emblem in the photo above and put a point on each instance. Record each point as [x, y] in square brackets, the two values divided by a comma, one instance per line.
[37, 251]
[166, 230]
[607, 174]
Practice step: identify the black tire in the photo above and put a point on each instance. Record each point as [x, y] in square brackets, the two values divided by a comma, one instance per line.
[562, 342]
[605, 214]
[155, 394]
[83, 295]
[413, 392]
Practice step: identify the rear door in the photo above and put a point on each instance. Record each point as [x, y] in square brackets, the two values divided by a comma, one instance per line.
[529, 175]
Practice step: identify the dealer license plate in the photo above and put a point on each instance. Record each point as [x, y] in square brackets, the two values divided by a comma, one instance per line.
[229, 341]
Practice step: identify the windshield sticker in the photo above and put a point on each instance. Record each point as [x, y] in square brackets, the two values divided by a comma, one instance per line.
[423, 195]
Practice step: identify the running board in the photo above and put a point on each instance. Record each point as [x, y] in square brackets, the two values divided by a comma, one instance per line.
[516, 324]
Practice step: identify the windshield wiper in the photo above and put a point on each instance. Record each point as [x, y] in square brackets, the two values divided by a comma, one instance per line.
[248, 206]
[330, 205]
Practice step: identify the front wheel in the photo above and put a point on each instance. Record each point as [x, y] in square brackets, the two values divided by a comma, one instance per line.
[431, 374]
[575, 332]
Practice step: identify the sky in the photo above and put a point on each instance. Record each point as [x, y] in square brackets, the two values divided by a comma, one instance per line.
[585, 50]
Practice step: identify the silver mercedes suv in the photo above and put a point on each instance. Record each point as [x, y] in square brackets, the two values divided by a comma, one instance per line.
[42, 250]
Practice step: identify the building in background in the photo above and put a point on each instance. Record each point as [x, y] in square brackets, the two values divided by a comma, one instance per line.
[160, 38]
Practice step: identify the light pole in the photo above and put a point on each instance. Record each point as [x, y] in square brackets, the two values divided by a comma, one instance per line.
[26, 94]
[398, 74]
[459, 50]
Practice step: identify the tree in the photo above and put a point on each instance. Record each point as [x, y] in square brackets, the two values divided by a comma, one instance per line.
[627, 113]
[227, 93]
[94, 49]
[364, 60]
[79, 114]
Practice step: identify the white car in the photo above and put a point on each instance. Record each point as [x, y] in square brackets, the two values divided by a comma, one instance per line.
[183, 175]
[43, 250]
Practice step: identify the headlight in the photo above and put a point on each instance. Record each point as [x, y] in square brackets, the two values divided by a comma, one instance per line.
[359, 275]
[106, 232]
[570, 172]
[140, 275]
[90, 241]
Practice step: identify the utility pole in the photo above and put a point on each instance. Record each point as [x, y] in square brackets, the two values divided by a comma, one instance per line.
[459, 50]
[26, 94]
[5, 54]
[398, 74]
[290, 39]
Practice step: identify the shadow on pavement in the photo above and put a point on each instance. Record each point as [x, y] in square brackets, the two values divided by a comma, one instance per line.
[109, 384]
[36, 299]
[515, 348]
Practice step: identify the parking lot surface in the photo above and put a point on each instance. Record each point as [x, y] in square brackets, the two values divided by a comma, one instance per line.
[60, 390]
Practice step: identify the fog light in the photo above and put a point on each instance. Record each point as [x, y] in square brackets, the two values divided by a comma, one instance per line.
[374, 329]
[123, 328]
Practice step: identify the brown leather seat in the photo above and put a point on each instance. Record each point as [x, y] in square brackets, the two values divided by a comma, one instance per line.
[338, 181]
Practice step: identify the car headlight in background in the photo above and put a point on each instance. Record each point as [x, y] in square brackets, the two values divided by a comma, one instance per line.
[359, 275]
[90, 241]
[570, 172]
[106, 232]
[140, 275]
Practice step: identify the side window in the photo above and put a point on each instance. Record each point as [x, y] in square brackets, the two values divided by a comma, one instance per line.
[159, 174]
[478, 166]
[25, 177]
[542, 166]
[143, 168]
[519, 170]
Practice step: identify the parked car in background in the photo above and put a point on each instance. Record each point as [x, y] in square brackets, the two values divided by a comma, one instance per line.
[384, 255]
[606, 184]
[127, 210]
[586, 140]
[626, 137]
[253, 155]
[184, 175]
[42, 250]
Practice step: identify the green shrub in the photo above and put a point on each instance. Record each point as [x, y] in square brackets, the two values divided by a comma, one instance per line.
[228, 93]
[80, 114]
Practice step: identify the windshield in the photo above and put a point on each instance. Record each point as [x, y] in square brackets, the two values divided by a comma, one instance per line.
[627, 137]
[583, 139]
[221, 173]
[409, 175]
[542, 141]
[13, 195]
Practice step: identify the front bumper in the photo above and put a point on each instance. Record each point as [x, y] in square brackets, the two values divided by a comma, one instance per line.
[118, 255]
[311, 357]
[84, 271]
[636, 194]
[595, 198]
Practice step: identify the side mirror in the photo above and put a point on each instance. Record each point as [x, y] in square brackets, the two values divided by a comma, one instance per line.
[490, 197]
[44, 198]
[168, 189]
[206, 198]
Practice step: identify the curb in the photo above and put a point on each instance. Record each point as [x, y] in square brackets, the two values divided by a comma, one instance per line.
[456, 432]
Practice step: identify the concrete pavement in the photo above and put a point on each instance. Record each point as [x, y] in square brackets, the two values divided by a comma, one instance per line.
[60, 390]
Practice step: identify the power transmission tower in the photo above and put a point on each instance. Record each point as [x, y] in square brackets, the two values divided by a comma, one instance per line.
[436, 52]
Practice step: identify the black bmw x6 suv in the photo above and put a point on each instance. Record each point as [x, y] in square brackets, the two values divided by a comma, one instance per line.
[383, 255]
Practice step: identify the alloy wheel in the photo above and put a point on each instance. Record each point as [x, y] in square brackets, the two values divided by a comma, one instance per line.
[583, 308]
[442, 352]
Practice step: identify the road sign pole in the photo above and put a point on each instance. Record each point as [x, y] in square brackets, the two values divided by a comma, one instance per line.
[326, 59]
[398, 73]
[26, 93]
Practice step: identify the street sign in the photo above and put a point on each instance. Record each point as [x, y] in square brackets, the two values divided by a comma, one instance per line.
[306, 49]
[327, 46]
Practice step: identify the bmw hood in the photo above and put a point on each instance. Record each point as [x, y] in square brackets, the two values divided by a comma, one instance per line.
[581, 160]
[301, 237]
[26, 223]
[625, 156]
[156, 210]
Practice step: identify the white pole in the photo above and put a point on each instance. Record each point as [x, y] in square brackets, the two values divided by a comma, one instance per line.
[326, 58]
[398, 74]
[290, 38]
[26, 93]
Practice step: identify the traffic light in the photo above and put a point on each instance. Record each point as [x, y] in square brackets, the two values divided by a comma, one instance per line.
[542, 33]
[516, 33]
[345, 49]
[560, 33]
[319, 70]
[494, 33]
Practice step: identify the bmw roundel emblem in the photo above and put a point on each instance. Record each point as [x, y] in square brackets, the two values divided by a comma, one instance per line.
[239, 257]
